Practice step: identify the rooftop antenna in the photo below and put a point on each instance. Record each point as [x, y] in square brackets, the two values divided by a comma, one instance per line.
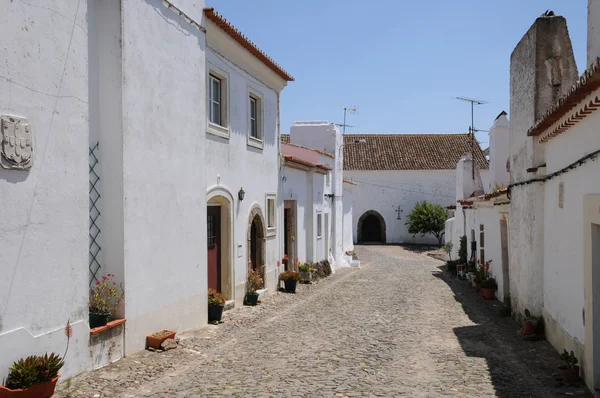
[353, 110]
[472, 129]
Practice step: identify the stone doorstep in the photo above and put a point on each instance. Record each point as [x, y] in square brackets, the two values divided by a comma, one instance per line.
[229, 305]
[263, 293]
[355, 263]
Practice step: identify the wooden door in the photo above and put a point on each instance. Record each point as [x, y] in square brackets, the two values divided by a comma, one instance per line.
[214, 247]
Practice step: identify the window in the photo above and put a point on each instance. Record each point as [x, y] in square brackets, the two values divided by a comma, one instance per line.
[271, 212]
[319, 225]
[328, 179]
[216, 103]
[214, 100]
[481, 244]
[255, 116]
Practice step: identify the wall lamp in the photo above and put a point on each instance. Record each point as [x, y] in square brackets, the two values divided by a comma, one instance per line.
[241, 194]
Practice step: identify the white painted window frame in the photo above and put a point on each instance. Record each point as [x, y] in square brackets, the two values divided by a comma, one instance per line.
[220, 130]
[271, 230]
[258, 97]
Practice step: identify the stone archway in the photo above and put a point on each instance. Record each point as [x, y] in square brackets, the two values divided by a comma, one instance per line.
[371, 228]
[257, 240]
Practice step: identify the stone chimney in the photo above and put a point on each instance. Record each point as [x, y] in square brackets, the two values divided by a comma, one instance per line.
[593, 37]
[499, 139]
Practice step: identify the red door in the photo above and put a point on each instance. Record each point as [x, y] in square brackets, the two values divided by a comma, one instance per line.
[214, 247]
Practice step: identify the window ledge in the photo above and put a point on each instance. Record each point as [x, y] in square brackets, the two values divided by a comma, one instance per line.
[271, 231]
[217, 130]
[109, 325]
[255, 142]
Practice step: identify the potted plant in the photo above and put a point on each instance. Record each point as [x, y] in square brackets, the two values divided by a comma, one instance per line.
[105, 296]
[306, 272]
[290, 279]
[570, 370]
[488, 288]
[253, 283]
[530, 324]
[36, 375]
[154, 340]
[216, 304]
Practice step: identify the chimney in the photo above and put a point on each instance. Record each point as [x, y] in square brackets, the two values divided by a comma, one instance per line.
[593, 37]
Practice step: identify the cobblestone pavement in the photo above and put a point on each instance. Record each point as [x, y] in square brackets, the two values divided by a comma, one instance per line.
[394, 327]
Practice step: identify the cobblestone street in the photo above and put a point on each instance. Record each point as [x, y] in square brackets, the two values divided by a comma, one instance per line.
[394, 327]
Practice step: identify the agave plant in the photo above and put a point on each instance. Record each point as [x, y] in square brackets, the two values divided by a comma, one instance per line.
[23, 373]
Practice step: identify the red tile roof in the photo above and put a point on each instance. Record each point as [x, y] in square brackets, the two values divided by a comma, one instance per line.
[236, 35]
[283, 141]
[409, 151]
[587, 83]
[304, 162]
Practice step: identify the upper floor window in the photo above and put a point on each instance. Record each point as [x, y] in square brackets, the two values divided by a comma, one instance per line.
[319, 225]
[255, 118]
[214, 99]
[217, 109]
[328, 179]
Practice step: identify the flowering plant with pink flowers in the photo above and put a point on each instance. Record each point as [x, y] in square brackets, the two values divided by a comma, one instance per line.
[105, 295]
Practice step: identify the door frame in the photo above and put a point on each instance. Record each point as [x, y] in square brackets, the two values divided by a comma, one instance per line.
[219, 195]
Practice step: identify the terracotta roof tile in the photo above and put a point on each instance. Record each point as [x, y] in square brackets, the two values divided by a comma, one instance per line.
[587, 83]
[305, 162]
[409, 151]
[236, 35]
[285, 138]
[305, 147]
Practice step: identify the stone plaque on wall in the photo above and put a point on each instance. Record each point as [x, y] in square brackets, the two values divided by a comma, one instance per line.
[16, 150]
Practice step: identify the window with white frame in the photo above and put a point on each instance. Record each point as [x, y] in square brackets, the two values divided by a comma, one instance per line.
[255, 116]
[217, 97]
[214, 100]
[319, 225]
[271, 214]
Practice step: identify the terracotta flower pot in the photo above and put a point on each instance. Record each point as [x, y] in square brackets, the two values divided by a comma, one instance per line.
[478, 286]
[528, 329]
[41, 390]
[487, 293]
[156, 339]
[569, 375]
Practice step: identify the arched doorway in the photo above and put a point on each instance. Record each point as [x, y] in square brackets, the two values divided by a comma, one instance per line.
[219, 215]
[371, 228]
[256, 240]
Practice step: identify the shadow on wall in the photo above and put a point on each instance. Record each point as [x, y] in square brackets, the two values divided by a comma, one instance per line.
[516, 367]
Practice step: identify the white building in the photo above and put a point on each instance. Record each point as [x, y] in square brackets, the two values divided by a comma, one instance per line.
[242, 154]
[306, 188]
[326, 140]
[483, 218]
[395, 171]
[124, 162]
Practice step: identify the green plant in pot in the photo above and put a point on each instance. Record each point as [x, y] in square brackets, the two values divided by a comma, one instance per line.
[306, 272]
[290, 279]
[530, 324]
[216, 304]
[253, 282]
[488, 288]
[35, 376]
[105, 297]
[570, 370]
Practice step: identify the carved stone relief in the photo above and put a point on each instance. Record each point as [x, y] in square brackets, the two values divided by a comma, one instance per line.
[16, 147]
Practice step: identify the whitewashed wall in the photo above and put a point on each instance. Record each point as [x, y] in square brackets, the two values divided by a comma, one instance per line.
[563, 227]
[386, 191]
[44, 211]
[499, 138]
[164, 206]
[348, 225]
[232, 164]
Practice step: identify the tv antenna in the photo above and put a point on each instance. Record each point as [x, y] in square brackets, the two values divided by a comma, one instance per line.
[353, 110]
[472, 128]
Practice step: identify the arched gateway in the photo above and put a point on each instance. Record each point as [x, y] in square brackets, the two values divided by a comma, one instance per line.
[371, 228]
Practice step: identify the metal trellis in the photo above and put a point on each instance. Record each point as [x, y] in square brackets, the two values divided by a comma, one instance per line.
[94, 231]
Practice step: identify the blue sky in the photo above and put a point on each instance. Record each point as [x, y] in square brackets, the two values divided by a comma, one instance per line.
[401, 62]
